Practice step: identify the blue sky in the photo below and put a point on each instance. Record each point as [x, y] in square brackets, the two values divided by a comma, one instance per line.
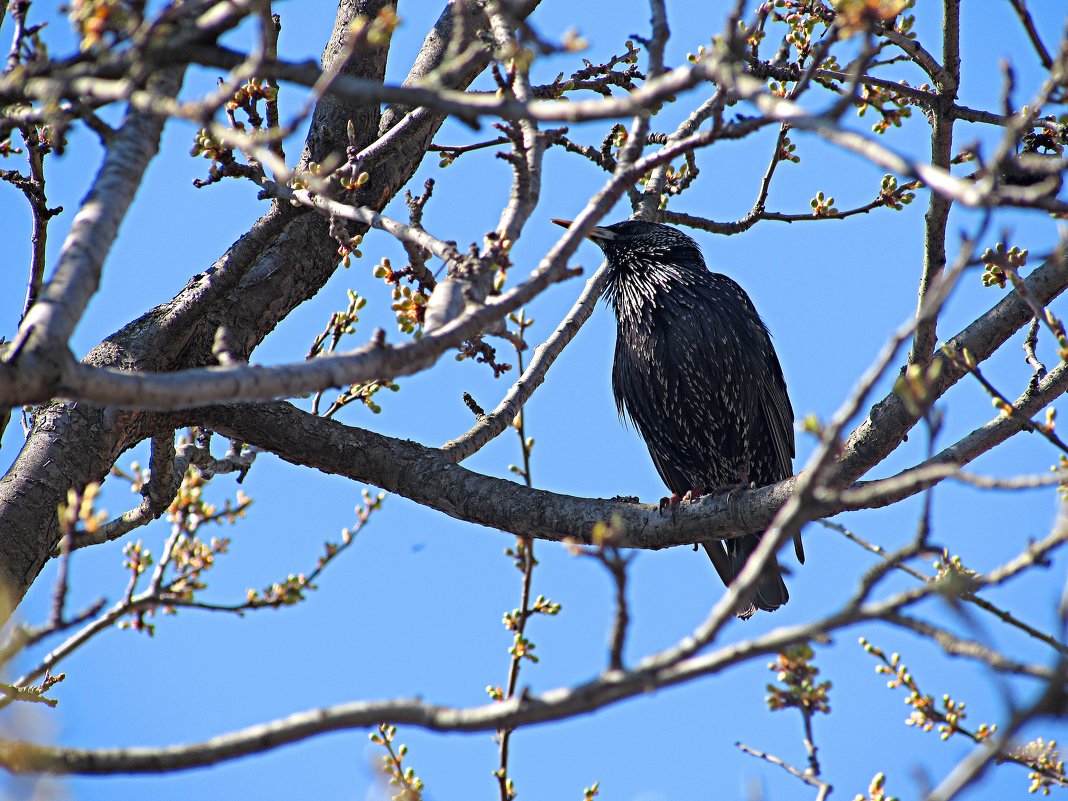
[414, 607]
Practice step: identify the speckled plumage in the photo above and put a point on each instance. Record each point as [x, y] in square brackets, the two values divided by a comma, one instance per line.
[696, 373]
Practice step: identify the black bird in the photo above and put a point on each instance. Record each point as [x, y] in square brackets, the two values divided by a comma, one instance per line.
[696, 373]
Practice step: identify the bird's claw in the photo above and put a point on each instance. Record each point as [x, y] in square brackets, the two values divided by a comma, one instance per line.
[673, 502]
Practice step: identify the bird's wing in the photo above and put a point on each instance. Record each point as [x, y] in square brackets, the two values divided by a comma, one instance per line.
[773, 399]
[780, 416]
[707, 387]
[775, 403]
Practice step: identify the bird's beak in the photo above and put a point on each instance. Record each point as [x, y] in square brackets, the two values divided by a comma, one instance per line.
[595, 233]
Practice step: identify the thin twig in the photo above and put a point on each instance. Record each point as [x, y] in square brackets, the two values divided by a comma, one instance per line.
[659, 670]
[970, 597]
[823, 788]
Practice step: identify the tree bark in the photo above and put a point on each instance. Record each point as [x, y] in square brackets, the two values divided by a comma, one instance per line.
[284, 260]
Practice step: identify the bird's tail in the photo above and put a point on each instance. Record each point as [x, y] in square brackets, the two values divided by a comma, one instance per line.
[729, 558]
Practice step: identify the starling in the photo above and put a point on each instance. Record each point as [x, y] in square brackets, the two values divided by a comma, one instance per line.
[696, 373]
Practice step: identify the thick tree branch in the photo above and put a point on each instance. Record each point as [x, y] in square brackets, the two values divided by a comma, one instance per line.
[890, 420]
[430, 477]
[283, 262]
[49, 323]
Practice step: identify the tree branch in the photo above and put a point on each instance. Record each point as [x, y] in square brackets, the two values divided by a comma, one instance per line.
[658, 671]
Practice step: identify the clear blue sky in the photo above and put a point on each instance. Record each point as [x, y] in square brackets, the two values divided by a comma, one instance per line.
[414, 607]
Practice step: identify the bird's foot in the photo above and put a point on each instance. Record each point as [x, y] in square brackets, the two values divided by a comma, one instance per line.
[693, 494]
[673, 502]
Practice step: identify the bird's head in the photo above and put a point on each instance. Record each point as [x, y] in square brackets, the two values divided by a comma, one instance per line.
[637, 244]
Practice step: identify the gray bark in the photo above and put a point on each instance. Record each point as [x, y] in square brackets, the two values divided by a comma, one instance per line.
[281, 262]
